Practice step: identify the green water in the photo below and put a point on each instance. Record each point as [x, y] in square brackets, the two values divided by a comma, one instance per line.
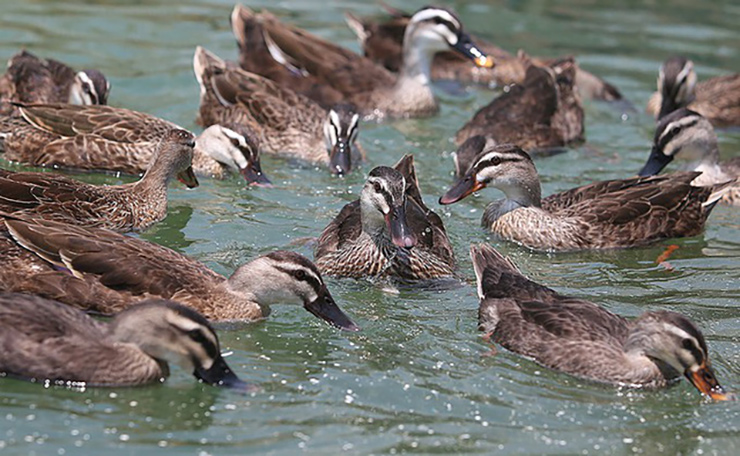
[417, 379]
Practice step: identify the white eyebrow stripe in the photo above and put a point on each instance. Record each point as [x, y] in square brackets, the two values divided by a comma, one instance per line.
[293, 267]
[680, 123]
[429, 13]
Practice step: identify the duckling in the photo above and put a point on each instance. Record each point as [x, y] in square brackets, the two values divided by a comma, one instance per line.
[30, 79]
[120, 140]
[542, 115]
[689, 136]
[290, 124]
[128, 207]
[388, 232]
[47, 341]
[580, 338]
[717, 99]
[99, 270]
[376, 92]
[382, 43]
[603, 215]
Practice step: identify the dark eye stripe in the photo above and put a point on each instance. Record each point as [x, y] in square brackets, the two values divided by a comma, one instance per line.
[198, 336]
[308, 278]
[448, 24]
[491, 162]
[673, 132]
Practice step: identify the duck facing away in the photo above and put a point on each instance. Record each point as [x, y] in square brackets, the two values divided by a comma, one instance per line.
[717, 99]
[30, 79]
[128, 207]
[46, 340]
[542, 114]
[580, 338]
[375, 91]
[103, 271]
[603, 215]
[388, 232]
[382, 43]
[289, 123]
[688, 136]
[120, 140]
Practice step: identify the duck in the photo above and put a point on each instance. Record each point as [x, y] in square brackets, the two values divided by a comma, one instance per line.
[120, 140]
[609, 214]
[48, 342]
[376, 92]
[717, 99]
[289, 124]
[542, 115]
[388, 233]
[102, 271]
[381, 42]
[582, 339]
[690, 137]
[129, 207]
[30, 79]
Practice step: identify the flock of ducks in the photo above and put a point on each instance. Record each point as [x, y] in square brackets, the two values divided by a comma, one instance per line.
[64, 252]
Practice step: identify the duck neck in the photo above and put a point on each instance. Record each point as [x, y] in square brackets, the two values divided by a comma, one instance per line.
[416, 65]
[157, 176]
[522, 193]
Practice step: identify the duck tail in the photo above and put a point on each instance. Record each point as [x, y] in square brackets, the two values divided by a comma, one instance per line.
[357, 26]
[718, 192]
[241, 19]
[489, 266]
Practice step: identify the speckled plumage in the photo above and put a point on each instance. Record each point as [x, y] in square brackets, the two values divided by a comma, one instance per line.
[288, 123]
[128, 207]
[345, 249]
[91, 137]
[603, 215]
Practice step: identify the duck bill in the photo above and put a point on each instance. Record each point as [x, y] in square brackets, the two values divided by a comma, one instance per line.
[704, 380]
[220, 374]
[340, 158]
[401, 234]
[461, 189]
[188, 178]
[253, 174]
[655, 163]
[325, 308]
[466, 47]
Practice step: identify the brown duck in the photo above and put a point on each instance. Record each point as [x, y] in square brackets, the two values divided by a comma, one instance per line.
[578, 337]
[717, 99]
[375, 91]
[388, 232]
[288, 123]
[543, 114]
[603, 215]
[688, 136]
[30, 79]
[50, 342]
[99, 270]
[382, 43]
[128, 207]
[119, 140]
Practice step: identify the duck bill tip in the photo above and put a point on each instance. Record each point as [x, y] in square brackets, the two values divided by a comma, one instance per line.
[463, 188]
[255, 177]
[188, 178]
[326, 309]
[704, 380]
[401, 234]
[340, 162]
[484, 61]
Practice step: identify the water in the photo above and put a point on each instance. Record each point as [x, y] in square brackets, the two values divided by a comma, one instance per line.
[418, 378]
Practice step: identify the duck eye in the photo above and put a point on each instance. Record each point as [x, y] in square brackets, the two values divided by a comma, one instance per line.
[197, 335]
[376, 186]
[300, 275]
[496, 161]
[687, 344]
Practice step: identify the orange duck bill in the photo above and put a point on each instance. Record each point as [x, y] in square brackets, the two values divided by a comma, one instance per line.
[188, 178]
[704, 380]
[466, 47]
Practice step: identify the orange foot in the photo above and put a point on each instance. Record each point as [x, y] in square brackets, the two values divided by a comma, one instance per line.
[661, 260]
[492, 351]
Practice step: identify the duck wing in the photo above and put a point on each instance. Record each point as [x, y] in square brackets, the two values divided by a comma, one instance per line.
[345, 228]
[120, 264]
